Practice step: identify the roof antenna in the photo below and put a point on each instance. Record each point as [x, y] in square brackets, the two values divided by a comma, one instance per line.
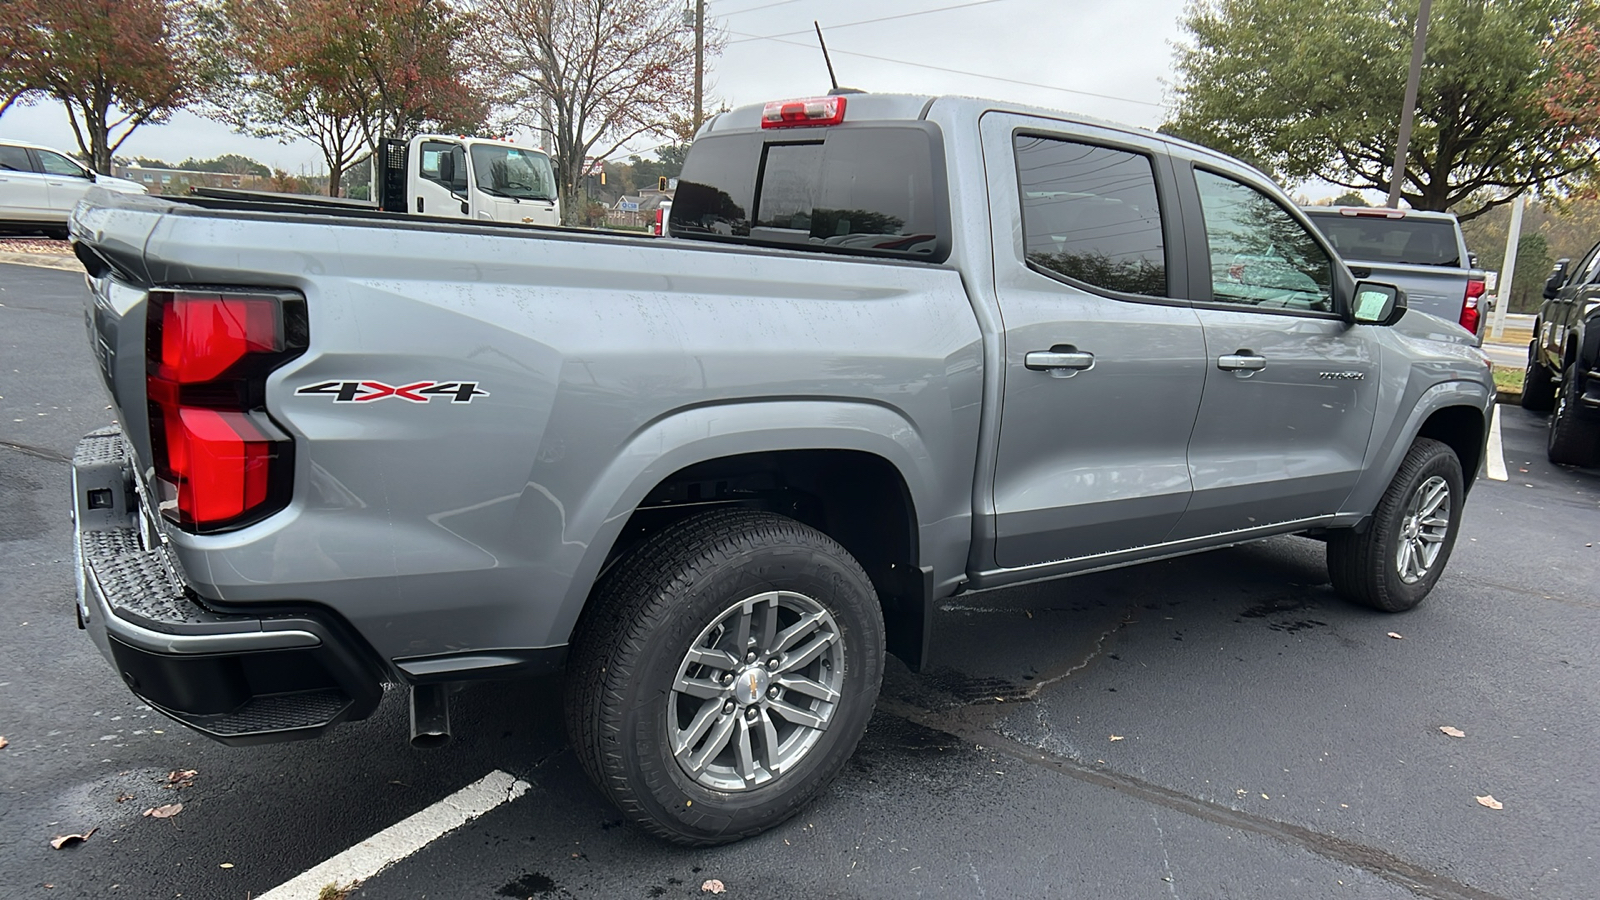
[831, 77]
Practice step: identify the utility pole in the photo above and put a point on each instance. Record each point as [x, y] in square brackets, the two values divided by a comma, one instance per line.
[1419, 43]
[699, 62]
[1508, 270]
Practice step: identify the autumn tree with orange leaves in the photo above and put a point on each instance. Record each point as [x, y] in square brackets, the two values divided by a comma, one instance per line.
[343, 74]
[114, 65]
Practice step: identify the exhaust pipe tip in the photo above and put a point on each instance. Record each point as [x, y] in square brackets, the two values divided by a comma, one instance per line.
[430, 716]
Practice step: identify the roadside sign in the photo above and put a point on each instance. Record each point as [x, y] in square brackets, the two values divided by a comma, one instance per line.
[628, 205]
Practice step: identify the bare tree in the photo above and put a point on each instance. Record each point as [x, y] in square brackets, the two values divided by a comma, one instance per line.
[608, 71]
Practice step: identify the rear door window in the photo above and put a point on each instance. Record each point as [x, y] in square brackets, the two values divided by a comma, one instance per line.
[14, 159]
[1090, 213]
[870, 189]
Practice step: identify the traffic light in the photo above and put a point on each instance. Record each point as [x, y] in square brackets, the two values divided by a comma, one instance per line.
[661, 182]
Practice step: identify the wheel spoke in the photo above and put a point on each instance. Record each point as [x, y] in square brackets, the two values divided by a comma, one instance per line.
[1407, 552]
[769, 624]
[808, 687]
[717, 659]
[741, 634]
[1431, 537]
[747, 757]
[702, 721]
[699, 688]
[795, 632]
[797, 715]
[1436, 522]
[769, 743]
[1436, 495]
[714, 744]
[803, 656]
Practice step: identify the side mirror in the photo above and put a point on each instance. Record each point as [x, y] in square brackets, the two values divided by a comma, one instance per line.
[1377, 304]
[1472, 260]
[1558, 278]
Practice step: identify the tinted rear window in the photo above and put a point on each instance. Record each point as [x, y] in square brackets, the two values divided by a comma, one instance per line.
[1418, 242]
[866, 189]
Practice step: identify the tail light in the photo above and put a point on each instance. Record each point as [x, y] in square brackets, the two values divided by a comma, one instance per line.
[660, 222]
[802, 113]
[220, 462]
[1471, 314]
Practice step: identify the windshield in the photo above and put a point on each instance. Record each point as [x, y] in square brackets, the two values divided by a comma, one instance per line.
[1408, 240]
[510, 172]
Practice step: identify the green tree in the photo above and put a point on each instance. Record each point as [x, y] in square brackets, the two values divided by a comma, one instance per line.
[229, 163]
[1350, 198]
[1307, 93]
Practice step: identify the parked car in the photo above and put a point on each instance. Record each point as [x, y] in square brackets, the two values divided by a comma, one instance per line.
[40, 186]
[902, 348]
[1424, 253]
[1563, 370]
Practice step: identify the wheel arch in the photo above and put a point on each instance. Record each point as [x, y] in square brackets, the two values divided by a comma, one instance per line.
[858, 472]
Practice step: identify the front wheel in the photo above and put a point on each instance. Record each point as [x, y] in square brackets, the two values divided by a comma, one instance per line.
[724, 675]
[1574, 432]
[1398, 559]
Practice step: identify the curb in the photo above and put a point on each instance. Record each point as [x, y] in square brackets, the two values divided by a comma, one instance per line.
[1508, 397]
[64, 261]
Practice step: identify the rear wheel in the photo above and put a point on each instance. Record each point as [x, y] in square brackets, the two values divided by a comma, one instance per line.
[1574, 431]
[724, 675]
[1538, 385]
[1395, 563]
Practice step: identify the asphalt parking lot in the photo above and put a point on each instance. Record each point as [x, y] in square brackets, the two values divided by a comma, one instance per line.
[1215, 726]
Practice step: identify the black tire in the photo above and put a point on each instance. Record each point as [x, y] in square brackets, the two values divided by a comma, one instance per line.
[1574, 432]
[1365, 567]
[632, 645]
[1538, 385]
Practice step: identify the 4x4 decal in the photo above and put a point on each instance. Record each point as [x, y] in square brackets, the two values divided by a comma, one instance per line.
[418, 392]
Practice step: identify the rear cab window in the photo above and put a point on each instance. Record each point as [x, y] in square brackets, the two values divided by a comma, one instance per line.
[1381, 238]
[869, 188]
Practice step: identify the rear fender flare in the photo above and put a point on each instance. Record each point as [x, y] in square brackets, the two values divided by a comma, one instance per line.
[704, 433]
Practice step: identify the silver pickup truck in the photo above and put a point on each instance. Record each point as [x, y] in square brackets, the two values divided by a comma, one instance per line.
[1422, 253]
[895, 349]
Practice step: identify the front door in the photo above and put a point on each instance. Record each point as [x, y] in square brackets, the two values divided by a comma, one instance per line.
[1104, 360]
[23, 195]
[1290, 388]
[66, 181]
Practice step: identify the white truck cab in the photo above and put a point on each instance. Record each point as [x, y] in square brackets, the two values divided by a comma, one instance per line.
[481, 179]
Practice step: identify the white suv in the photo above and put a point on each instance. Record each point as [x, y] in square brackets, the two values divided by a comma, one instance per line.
[39, 187]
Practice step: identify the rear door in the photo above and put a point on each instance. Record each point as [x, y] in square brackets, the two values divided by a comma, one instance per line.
[65, 181]
[1104, 359]
[23, 195]
[1290, 388]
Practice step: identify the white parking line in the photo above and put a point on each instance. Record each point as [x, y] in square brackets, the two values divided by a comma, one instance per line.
[403, 838]
[1497, 456]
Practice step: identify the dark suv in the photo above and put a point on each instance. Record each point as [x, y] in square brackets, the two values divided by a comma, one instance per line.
[1564, 361]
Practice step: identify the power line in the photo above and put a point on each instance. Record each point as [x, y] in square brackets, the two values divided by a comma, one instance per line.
[922, 12]
[740, 12]
[905, 62]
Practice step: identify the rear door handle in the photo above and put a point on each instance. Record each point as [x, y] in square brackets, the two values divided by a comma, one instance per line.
[1045, 360]
[1242, 361]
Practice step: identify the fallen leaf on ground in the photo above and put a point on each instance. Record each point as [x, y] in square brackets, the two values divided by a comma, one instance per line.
[181, 775]
[1116, 737]
[1489, 801]
[713, 886]
[123, 798]
[4, 743]
[67, 840]
[225, 865]
[1453, 732]
[164, 812]
[1397, 635]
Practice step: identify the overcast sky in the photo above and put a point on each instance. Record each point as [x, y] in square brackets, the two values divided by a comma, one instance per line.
[1108, 60]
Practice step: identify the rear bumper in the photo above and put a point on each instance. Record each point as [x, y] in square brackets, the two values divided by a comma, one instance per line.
[240, 679]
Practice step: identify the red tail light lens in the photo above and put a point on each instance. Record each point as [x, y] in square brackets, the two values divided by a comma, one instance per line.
[220, 462]
[1471, 315]
[802, 113]
[660, 222]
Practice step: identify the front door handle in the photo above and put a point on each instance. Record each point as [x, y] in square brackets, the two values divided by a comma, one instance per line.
[1244, 360]
[1045, 360]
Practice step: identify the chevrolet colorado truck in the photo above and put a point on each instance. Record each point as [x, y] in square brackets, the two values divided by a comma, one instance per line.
[1563, 374]
[895, 348]
[1423, 253]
